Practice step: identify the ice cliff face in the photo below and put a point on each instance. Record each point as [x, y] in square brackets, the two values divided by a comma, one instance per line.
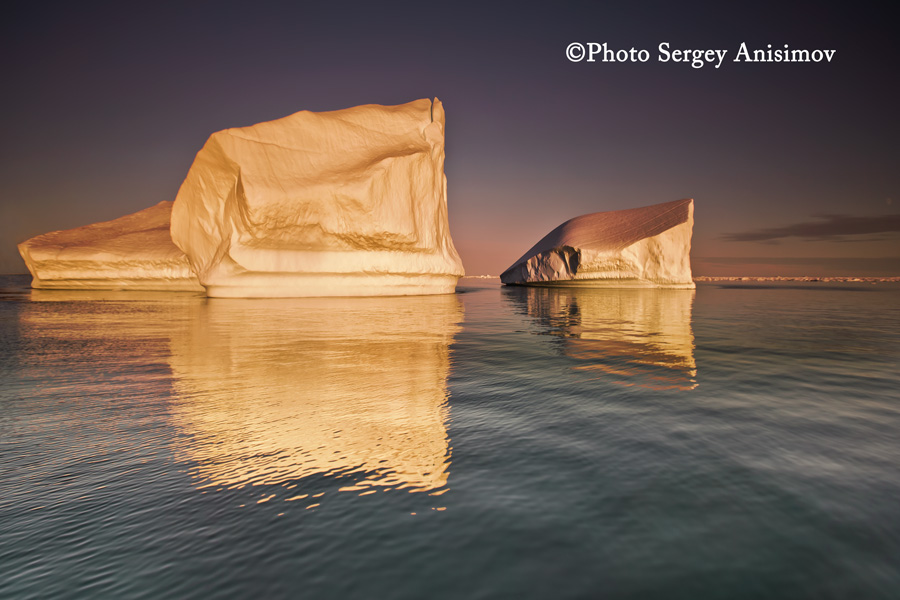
[343, 203]
[640, 247]
[131, 252]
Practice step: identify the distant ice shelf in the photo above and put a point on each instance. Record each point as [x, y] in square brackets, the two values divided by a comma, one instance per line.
[639, 247]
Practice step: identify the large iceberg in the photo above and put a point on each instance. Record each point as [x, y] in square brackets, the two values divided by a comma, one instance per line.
[131, 252]
[639, 247]
[344, 203]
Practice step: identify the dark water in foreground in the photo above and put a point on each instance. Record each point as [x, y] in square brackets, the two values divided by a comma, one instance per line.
[500, 443]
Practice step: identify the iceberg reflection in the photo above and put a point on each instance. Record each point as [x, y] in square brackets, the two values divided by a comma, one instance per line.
[275, 390]
[627, 336]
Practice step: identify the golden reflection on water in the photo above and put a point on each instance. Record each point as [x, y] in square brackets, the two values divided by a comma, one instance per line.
[627, 336]
[271, 391]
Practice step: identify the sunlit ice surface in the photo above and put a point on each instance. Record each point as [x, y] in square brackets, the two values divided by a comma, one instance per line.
[738, 441]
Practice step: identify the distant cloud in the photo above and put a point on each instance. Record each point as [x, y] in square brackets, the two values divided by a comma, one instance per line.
[827, 227]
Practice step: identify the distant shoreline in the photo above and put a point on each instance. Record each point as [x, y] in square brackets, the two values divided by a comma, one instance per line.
[828, 279]
[762, 278]
[707, 278]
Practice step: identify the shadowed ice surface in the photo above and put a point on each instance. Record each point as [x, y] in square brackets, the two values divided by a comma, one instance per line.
[503, 442]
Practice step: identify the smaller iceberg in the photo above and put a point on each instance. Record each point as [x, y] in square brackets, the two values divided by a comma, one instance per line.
[639, 247]
[133, 252]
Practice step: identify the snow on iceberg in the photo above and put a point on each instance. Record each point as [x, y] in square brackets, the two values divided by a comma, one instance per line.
[639, 247]
[344, 203]
[131, 252]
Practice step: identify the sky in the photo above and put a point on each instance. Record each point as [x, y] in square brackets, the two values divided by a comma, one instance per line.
[793, 166]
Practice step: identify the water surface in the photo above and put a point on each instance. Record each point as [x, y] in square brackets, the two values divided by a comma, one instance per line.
[732, 442]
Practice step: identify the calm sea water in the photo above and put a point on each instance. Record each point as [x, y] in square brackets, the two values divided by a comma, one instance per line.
[733, 442]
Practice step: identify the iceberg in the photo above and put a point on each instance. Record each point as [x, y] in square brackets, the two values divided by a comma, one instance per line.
[344, 203]
[639, 247]
[132, 252]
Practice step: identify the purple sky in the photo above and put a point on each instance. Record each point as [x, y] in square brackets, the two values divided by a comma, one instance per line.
[105, 105]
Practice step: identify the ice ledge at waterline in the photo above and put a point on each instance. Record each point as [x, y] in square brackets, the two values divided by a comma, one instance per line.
[345, 203]
[639, 247]
[131, 252]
